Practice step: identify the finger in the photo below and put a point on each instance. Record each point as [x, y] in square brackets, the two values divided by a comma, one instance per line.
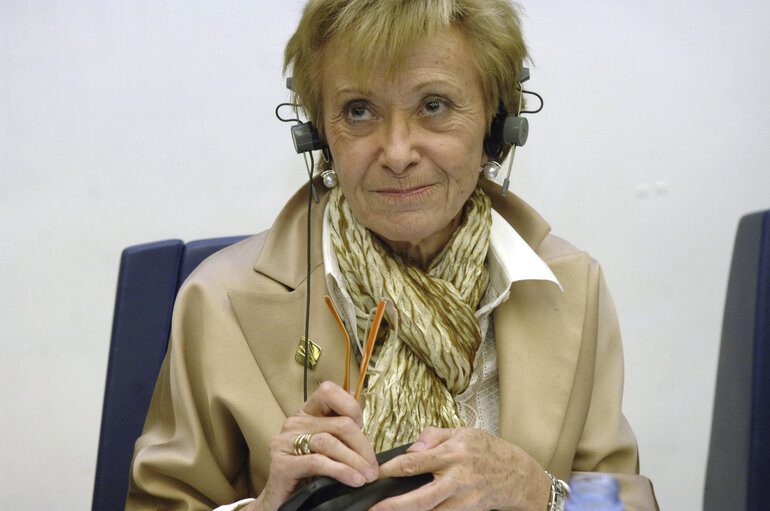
[350, 434]
[343, 427]
[411, 463]
[337, 437]
[331, 399]
[429, 438]
[312, 465]
[330, 446]
[428, 455]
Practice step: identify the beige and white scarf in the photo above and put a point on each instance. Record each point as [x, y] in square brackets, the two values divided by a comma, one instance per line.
[425, 356]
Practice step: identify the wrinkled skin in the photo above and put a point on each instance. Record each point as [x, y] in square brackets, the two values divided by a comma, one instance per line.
[407, 152]
[472, 469]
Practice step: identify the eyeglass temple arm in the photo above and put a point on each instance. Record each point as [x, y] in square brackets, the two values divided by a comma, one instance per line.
[347, 341]
[370, 345]
[373, 331]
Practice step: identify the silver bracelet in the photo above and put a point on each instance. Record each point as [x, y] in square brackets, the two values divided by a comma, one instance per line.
[559, 493]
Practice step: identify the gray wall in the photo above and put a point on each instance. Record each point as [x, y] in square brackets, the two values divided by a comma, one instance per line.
[124, 122]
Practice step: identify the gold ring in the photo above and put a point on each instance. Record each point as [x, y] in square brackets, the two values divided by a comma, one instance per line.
[302, 444]
[305, 443]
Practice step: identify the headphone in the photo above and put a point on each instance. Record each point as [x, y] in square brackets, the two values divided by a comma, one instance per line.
[506, 130]
[306, 138]
[304, 135]
[510, 130]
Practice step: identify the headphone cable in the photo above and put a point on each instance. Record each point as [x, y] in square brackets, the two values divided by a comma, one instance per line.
[311, 196]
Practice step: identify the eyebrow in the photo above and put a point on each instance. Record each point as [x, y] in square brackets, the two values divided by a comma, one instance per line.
[347, 90]
[443, 82]
[351, 90]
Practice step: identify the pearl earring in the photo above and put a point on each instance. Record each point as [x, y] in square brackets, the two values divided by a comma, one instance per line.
[329, 178]
[490, 169]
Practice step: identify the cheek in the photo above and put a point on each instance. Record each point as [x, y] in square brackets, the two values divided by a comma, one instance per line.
[461, 164]
[353, 158]
[347, 165]
[472, 181]
[465, 187]
[344, 149]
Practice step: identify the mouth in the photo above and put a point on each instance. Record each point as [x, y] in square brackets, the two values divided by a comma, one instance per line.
[404, 192]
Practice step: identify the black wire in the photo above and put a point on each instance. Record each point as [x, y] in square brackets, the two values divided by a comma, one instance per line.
[538, 96]
[307, 300]
[311, 196]
[280, 105]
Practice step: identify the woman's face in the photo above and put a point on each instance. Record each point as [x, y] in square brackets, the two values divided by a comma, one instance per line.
[407, 152]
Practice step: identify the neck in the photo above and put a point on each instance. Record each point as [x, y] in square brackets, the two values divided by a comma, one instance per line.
[421, 252]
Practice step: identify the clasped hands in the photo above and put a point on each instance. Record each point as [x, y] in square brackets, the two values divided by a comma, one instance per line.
[472, 469]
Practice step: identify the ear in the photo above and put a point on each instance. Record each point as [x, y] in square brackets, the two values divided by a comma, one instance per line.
[493, 141]
[484, 158]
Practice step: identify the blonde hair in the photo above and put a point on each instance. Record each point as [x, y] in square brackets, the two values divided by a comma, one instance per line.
[382, 32]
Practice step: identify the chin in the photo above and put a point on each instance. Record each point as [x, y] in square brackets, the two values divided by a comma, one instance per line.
[411, 232]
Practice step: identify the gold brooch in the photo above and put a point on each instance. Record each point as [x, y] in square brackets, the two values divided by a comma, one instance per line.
[313, 348]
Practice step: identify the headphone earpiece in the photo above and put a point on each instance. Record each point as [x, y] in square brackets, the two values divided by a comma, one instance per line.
[305, 137]
[515, 130]
[506, 130]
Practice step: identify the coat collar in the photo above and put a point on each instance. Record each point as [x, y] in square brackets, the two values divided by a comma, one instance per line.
[283, 257]
[522, 217]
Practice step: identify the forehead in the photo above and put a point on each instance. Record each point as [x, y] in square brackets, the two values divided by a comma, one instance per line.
[445, 57]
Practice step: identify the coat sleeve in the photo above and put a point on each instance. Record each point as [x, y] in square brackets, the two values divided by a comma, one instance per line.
[191, 454]
[607, 443]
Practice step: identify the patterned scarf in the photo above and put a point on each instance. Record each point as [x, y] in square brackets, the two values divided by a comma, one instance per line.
[425, 356]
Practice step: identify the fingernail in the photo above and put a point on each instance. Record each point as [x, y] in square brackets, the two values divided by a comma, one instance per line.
[358, 480]
[417, 446]
[372, 473]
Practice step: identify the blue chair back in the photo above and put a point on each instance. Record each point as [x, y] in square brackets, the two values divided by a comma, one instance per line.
[738, 470]
[148, 281]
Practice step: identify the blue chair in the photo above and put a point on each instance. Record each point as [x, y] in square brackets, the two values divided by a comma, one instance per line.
[148, 281]
[738, 471]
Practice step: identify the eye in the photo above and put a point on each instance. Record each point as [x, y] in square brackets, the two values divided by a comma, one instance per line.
[435, 106]
[357, 111]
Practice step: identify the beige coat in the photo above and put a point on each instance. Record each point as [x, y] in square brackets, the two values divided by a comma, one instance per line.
[230, 378]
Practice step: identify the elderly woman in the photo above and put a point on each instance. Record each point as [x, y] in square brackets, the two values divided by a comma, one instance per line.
[499, 354]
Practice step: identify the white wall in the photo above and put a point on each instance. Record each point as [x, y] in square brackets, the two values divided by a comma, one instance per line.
[125, 122]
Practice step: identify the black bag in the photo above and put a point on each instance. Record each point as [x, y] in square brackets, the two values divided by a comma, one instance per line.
[327, 494]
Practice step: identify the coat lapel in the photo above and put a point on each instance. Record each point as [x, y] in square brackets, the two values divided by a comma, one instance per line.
[283, 259]
[274, 343]
[538, 332]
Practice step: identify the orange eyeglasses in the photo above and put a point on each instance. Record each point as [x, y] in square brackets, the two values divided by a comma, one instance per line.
[373, 330]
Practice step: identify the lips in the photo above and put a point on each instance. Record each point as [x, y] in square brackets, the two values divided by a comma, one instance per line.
[404, 192]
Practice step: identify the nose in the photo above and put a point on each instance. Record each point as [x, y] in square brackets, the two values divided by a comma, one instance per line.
[398, 152]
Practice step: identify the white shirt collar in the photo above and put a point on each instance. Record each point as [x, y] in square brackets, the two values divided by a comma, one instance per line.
[509, 259]
[335, 283]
